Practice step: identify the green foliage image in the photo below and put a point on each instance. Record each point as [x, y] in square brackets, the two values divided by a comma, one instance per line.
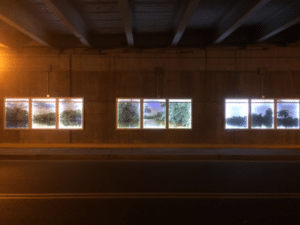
[237, 121]
[71, 118]
[285, 120]
[179, 114]
[44, 119]
[266, 120]
[128, 114]
[160, 117]
[16, 118]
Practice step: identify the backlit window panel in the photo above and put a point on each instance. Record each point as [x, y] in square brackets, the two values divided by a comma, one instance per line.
[44, 113]
[16, 113]
[236, 113]
[262, 113]
[154, 116]
[180, 113]
[287, 114]
[128, 115]
[70, 113]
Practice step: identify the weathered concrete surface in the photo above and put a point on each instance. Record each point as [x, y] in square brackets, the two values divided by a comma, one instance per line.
[207, 76]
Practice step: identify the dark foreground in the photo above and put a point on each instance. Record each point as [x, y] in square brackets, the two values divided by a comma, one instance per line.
[132, 192]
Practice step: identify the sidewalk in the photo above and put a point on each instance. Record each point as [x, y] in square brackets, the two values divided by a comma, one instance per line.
[125, 153]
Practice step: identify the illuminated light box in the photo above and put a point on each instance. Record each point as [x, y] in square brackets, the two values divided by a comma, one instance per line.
[236, 113]
[154, 116]
[180, 113]
[128, 115]
[262, 114]
[70, 113]
[287, 114]
[16, 113]
[44, 113]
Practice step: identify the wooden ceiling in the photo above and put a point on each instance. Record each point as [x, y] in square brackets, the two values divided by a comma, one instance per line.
[148, 23]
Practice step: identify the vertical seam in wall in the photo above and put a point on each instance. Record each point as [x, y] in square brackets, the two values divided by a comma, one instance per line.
[48, 80]
[205, 76]
[164, 82]
[71, 73]
[261, 84]
[235, 90]
[292, 83]
[70, 70]
[157, 95]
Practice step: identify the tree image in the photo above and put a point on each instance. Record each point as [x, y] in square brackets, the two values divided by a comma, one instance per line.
[128, 114]
[285, 120]
[147, 110]
[16, 118]
[71, 117]
[283, 113]
[45, 119]
[259, 120]
[179, 114]
[160, 117]
[237, 121]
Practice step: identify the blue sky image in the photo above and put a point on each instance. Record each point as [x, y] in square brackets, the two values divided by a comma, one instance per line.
[261, 108]
[21, 105]
[236, 109]
[69, 106]
[154, 104]
[153, 108]
[43, 107]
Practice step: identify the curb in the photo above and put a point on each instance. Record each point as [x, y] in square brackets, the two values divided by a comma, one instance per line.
[151, 157]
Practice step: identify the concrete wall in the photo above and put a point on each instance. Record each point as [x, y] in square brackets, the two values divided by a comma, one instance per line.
[206, 76]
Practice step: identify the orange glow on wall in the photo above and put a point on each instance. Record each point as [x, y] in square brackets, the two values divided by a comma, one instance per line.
[1, 62]
[3, 46]
[5, 59]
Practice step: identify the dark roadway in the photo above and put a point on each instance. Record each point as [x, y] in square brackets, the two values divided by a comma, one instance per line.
[149, 192]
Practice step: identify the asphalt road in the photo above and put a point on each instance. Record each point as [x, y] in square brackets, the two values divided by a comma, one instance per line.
[149, 192]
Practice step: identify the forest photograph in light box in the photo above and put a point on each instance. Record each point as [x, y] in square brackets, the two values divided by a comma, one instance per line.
[128, 114]
[43, 113]
[17, 114]
[154, 114]
[180, 114]
[287, 114]
[262, 114]
[236, 113]
[70, 114]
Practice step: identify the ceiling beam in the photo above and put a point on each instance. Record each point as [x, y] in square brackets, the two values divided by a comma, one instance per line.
[12, 14]
[71, 18]
[127, 20]
[236, 17]
[184, 21]
[285, 18]
[11, 37]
